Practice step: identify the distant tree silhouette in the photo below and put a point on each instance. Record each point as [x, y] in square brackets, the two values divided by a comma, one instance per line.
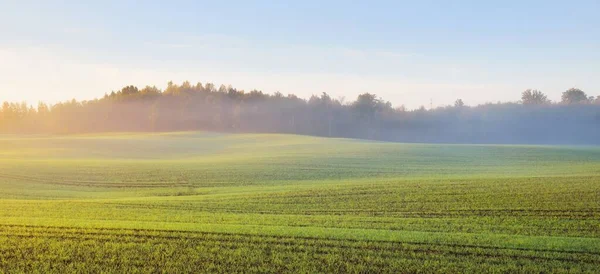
[574, 96]
[459, 103]
[204, 107]
[534, 97]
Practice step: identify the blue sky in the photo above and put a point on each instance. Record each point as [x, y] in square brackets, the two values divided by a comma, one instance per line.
[409, 52]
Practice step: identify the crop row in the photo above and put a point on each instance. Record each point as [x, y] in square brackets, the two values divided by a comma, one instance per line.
[41, 249]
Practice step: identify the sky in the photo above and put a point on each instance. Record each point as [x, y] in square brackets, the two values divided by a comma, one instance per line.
[411, 53]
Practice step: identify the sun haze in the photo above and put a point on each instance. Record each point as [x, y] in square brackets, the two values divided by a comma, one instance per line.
[412, 53]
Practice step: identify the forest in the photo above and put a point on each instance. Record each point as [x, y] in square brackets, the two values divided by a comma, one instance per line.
[532, 120]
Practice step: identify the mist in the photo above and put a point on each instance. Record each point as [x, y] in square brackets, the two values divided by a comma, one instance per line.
[186, 107]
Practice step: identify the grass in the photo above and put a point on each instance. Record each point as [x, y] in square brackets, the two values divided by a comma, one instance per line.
[207, 202]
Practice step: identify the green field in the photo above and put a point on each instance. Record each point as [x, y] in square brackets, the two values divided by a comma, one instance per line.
[209, 202]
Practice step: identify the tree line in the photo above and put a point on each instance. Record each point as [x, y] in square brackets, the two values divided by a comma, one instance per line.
[534, 119]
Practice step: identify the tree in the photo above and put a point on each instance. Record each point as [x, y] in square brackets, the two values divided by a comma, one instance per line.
[366, 104]
[129, 90]
[574, 96]
[534, 97]
[459, 103]
[172, 89]
[7, 111]
[43, 109]
[149, 91]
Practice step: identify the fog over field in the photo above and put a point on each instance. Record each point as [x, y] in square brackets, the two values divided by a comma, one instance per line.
[532, 120]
